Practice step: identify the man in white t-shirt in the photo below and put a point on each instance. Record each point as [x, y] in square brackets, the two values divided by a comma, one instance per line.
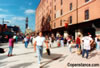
[86, 40]
[39, 41]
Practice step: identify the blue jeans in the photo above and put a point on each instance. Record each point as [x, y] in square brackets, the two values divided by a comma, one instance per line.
[39, 50]
[62, 43]
[77, 46]
[26, 44]
[97, 46]
[16, 40]
[85, 51]
[10, 50]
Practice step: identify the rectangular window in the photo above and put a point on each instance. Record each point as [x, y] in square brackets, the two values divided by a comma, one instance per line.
[86, 14]
[55, 7]
[54, 25]
[60, 22]
[50, 11]
[86, 0]
[70, 6]
[49, 19]
[50, 3]
[61, 12]
[61, 2]
[70, 19]
[54, 15]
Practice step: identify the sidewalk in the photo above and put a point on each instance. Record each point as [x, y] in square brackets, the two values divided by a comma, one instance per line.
[73, 58]
[59, 58]
[76, 59]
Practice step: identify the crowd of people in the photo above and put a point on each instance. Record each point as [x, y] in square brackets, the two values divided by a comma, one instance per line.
[83, 44]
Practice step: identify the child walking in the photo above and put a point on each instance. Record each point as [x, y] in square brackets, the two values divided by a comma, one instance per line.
[11, 45]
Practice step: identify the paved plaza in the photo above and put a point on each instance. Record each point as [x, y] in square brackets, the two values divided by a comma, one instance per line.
[60, 58]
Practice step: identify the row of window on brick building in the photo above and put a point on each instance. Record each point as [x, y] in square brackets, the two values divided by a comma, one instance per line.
[61, 11]
[62, 1]
[70, 8]
[86, 13]
[71, 19]
[62, 4]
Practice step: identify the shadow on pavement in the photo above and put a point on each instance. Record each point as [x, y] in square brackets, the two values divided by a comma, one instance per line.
[45, 67]
[3, 57]
[23, 54]
[22, 65]
[62, 58]
[54, 47]
[6, 62]
[93, 55]
[6, 46]
[52, 58]
[1, 44]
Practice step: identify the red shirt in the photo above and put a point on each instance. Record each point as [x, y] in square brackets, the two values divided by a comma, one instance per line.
[78, 40]
[11, 42]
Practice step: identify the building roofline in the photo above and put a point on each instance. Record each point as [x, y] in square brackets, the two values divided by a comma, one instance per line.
[38, 5]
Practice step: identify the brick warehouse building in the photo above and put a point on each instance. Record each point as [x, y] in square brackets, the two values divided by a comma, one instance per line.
[82, 16]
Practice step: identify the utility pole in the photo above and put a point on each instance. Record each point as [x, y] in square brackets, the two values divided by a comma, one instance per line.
[2, 24]
[2, 21]
[26, 22]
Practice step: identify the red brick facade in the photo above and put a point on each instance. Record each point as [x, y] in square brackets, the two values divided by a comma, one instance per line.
[61, 12]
